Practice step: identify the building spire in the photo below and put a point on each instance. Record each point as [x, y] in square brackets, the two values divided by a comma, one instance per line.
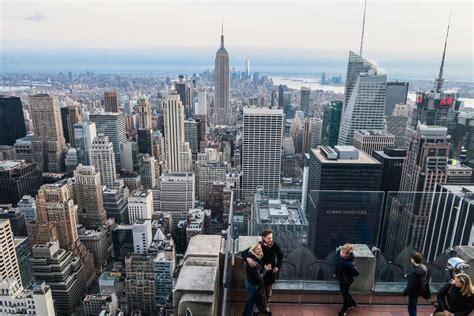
[440, 80]
[222, 35]
[363, 28]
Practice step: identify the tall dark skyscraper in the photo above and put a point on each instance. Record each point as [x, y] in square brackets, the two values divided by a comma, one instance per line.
[336, 218]
[281, 97]
[222, 84]
[111, 103]
[18, 178]
[397, 93]
[331, 123]
[305, 97]
[12, 121]
[392, 159]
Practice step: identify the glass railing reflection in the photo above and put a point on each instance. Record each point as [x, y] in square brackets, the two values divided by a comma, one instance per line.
[393, 225]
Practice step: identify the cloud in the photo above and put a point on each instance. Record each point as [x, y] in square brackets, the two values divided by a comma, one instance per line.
[35, 17]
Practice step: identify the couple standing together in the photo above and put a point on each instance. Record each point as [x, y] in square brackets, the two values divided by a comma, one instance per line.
[263, 261]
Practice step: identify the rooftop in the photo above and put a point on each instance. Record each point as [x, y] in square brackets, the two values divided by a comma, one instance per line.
[364, 158]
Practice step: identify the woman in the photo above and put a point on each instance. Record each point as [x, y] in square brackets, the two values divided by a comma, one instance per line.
[254, 280]
[457, 297]
[345, 272]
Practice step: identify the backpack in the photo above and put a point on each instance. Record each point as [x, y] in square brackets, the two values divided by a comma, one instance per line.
[425, 286]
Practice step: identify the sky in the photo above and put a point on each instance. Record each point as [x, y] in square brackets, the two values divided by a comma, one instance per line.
[401, 36]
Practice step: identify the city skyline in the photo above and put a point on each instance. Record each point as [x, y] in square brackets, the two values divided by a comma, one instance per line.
[392, 33]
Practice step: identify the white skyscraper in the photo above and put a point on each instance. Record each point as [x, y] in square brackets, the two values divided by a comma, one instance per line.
[140, 205]
[142, 237]
[201, 108]
[261, 150]
[178, 155]
[222, 84]
[103, 159]
[365, 98]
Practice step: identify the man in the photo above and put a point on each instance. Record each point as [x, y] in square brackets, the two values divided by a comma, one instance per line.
[415, 282]
[271, 255]
[345, 272]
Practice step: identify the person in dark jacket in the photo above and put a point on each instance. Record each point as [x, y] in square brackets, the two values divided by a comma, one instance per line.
[254, 281]
[345, 272]
[272, 255]
[415, 282]
[457, 297]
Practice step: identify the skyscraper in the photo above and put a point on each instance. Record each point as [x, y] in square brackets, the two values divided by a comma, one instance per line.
[84, 134]
[103, 159]
[12, 120]
[335, 218]
[18, 178]
[70, 115]
[261, 150]
[140, 283]
[63, 272]
[111, 101]
[145, 131]
[142, 237]
[173, 116]
[149, 172]
[365, 98]
[57, 221]
[112, 125]
[425, 165]
[140, 205]
[331, 123]
[451, 219]
[392, 159]
[176, 193]
[144, 114]
[435, 107]
[281, 97]
[305, 97]
[88, 189]
[372, 140]
[222, 84]
[48, 139]
[201, 108]
[10, 268]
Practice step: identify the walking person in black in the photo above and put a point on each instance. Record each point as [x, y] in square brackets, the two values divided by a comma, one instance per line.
[272, 255]
[345, 272]
[254, 281]
[415, 282]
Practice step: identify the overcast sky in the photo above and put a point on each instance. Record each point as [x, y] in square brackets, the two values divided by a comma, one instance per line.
[398, 30]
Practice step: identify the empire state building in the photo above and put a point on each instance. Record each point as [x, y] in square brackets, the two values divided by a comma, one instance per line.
[222, 84]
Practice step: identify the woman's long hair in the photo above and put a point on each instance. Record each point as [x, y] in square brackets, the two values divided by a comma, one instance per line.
[252, 250]
[467, 289]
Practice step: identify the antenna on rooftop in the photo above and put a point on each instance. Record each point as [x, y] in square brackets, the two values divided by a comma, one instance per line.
[363, 28]
[440, 80]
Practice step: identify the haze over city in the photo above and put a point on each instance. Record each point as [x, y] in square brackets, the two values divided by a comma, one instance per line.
[304, 37]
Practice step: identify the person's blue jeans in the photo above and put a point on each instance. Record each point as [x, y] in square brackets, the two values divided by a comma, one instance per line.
[412, 302]
[251, 296]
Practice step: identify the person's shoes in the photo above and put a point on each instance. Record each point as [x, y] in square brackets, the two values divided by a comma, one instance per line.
[341, 313]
